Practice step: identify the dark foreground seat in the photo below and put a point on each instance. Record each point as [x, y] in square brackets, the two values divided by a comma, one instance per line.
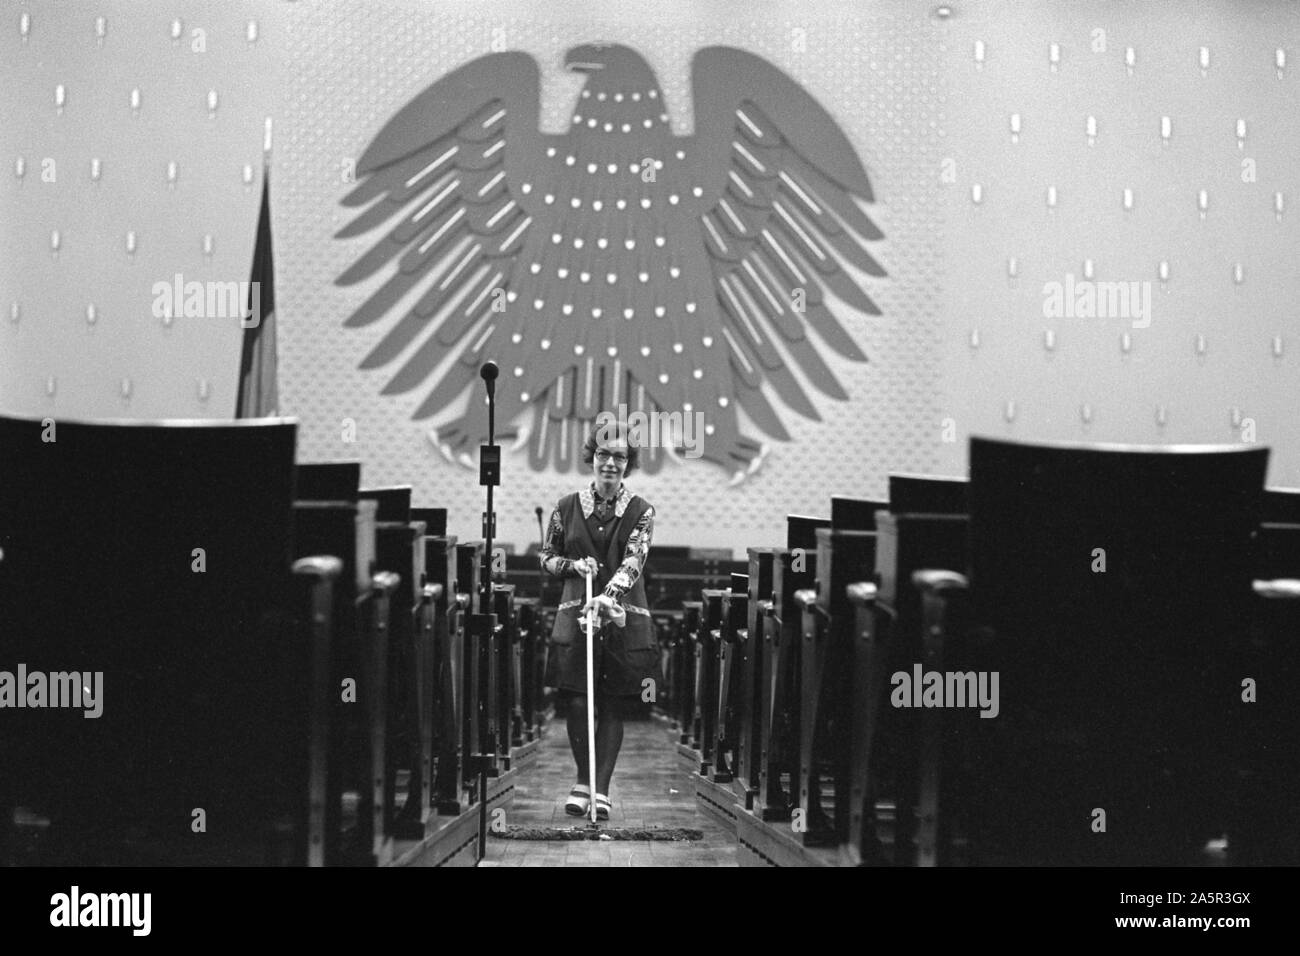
[1110, 589]
[159, 556]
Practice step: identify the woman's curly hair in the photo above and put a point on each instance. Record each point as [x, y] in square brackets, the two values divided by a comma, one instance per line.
[606, 430]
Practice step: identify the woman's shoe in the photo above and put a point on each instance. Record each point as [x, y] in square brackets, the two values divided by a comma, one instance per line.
[602, 807]
[579, 801]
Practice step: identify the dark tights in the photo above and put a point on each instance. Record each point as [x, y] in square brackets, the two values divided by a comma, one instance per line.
[609, 738]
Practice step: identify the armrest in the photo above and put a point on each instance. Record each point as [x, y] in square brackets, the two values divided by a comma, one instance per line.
[318, 574]
[432, 593]
[937, 587]
[861, 594]
[385, 583]
[807, 601]
[323, 567]
[1279, 589]
[939, 581]
[943, 602]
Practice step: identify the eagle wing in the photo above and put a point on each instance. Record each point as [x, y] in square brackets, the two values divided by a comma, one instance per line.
[444, 176]
[778, 184]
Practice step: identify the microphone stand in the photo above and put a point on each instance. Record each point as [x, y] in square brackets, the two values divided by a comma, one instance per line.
[484, 622]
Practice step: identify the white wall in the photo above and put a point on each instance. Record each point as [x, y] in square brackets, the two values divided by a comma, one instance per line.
[928, 121]
[186, 369]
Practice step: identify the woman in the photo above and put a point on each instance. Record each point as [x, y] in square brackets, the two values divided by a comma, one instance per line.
[604, 530]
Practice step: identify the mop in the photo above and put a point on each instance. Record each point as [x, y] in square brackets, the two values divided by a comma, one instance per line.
[593, 831]
[591, 699]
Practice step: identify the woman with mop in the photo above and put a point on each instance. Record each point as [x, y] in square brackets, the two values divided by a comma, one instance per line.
[597, 541]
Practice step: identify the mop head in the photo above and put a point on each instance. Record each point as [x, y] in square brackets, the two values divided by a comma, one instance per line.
[589, 832]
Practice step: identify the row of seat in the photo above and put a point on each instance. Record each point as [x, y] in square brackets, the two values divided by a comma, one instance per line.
[1115, 657]
[463, 683]
[295, 669]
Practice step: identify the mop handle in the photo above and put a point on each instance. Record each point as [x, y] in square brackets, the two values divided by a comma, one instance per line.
[591, 701]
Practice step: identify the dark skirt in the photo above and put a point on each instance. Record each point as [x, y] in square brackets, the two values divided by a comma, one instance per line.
[620, 672]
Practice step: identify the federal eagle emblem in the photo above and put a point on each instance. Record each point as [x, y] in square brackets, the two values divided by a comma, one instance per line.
[615, 264]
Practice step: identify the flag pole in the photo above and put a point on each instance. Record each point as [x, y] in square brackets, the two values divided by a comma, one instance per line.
[257, 394]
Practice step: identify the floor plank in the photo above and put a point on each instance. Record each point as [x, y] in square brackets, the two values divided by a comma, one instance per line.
[649, 790]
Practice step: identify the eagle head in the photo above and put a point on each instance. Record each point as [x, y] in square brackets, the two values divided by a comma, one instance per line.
[620, 95]
[612, 68]
[597, 56]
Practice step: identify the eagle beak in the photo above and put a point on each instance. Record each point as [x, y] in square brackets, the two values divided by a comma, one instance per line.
[583, 59]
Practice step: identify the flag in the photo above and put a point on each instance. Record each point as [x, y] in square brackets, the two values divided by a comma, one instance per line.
[258, 394]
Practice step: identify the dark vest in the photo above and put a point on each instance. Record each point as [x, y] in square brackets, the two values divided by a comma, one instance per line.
[639, 631]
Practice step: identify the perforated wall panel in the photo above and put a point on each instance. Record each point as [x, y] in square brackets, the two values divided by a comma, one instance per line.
[876, 73]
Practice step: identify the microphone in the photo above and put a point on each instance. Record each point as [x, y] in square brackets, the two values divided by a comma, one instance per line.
[541, 578]
[489, 373]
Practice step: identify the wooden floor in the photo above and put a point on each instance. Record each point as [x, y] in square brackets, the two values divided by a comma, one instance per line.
[650, 789]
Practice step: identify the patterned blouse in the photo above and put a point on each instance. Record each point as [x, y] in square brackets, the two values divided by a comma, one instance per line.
[634, 556]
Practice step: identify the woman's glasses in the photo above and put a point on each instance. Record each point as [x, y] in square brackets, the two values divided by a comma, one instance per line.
[619, 457]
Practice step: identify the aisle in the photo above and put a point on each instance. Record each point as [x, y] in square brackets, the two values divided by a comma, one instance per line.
[650, 790]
